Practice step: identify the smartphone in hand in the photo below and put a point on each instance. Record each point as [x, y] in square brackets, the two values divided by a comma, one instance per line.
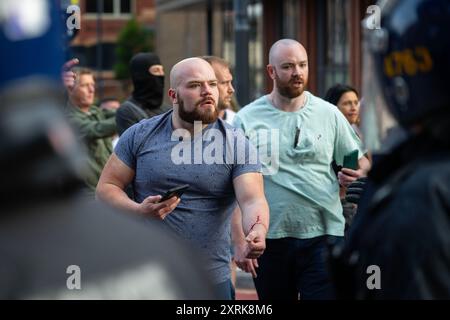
[351, 160]
[174, 192]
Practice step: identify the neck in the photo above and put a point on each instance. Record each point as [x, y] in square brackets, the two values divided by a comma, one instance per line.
[287, 104]
[179, 123]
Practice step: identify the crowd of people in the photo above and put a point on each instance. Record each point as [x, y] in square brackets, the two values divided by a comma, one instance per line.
[285, 218]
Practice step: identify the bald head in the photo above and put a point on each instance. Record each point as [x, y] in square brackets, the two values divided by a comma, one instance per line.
[189, 68]
[280, 46]
[288, 68]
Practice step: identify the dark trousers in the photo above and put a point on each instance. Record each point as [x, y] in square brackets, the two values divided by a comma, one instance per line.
[291, 268]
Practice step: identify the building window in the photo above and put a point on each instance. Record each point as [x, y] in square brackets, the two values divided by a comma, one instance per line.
[291, 13]
[255, 44]
[255, 50]
[113, 7]
[228, 32]
[337, 44]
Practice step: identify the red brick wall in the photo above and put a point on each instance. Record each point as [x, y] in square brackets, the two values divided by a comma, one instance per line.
[143, 10]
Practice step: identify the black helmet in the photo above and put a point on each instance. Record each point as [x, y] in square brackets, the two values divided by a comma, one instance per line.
[409, 52]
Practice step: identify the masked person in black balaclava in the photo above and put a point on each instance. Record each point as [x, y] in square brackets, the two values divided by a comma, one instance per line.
[146, 100]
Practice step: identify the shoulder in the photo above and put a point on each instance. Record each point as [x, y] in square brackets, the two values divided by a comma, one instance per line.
[157, 111]
[432, 175]
[328, 112]
[428, 201]
[127, 106]
[99, 113]
[147, 126]
[158, 121]
[230, 132]
[253, 110]
[223, 126]
[254, 107]
[321, 105]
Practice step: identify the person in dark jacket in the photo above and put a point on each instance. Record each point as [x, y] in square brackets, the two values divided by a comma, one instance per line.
[147, 75]
[56, 243]
[399, 243]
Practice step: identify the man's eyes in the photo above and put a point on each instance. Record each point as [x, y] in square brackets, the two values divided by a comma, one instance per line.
[196, 85]
[290, 66]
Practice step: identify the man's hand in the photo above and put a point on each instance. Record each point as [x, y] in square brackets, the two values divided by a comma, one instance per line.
[256, 241]
[150, 207]
[347, 176]
[240, 257]
[67, 75]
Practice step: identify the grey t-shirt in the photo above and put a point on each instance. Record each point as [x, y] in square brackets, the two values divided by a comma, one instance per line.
[208, 163]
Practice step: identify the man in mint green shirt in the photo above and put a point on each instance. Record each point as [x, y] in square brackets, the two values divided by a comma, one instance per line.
[298, 136]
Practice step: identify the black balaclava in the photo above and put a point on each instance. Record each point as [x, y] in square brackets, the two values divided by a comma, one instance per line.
[148, 89]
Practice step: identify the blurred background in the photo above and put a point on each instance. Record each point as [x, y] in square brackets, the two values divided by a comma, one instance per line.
[241, 31]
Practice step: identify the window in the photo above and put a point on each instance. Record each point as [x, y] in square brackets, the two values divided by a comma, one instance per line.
[333, 43]
[337, 45]
[255, 50]
[227, 28]
[113, 7]
[227, 49]
[291, 10]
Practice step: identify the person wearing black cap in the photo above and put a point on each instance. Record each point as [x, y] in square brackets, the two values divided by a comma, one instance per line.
[147, 75]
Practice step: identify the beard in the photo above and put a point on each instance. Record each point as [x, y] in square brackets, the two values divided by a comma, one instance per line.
[287, 90]
[205, 116]
[222, 105]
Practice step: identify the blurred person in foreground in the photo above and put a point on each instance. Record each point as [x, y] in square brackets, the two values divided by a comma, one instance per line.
[399, 243]
[55, 243]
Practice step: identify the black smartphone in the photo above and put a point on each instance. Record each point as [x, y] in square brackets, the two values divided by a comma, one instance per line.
[177, 191]
[351, 160]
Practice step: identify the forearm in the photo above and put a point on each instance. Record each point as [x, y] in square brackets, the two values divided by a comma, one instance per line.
[116, 197]
[255, 212]
[96, 129]
[237, 232]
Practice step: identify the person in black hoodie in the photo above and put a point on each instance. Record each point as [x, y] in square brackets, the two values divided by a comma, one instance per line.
[147, 75]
